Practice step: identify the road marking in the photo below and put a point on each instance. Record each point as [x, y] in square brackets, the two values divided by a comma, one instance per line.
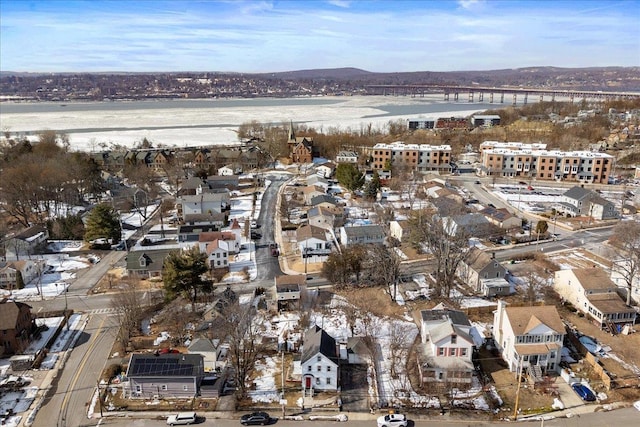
[109, 310]
[75, 378]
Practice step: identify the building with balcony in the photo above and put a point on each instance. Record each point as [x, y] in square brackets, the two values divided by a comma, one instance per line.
[419, 158]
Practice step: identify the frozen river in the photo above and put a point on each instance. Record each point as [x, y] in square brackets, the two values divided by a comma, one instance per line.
[93, 126]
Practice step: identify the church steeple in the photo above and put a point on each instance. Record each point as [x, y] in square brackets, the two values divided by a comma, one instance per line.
[292, 134]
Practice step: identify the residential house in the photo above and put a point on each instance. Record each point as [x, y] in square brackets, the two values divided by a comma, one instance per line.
[214, 355]
[311, 191]
[501, 218]
[191, 186]
[26, 242]
[447, 351]
[347, 157]
[16, 327]
[361, 234]
[325, 201]
[399, 230]
[203, 203]
[12, 272]
[319, 182]
[227, 170]
[229, 237]
[314, 243]
[321, 217]
[212, 220]
[578, 201]
[591, 291]
[483, 273]
[217, 183]
[165, 375]
[191, 232]
[326, 170]
[473, 224]
[319, 361]
[529, 338]
[288, 291]
[160, 159]
[147, 262]
[217, 254]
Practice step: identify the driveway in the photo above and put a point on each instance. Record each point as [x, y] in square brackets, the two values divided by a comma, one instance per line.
[355, 389]
[568, 397]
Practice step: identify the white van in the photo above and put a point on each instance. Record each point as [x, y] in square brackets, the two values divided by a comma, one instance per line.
[182, 419]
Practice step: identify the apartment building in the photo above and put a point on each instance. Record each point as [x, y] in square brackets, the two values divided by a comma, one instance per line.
[420, 158]
[572, 166]
[490, 145]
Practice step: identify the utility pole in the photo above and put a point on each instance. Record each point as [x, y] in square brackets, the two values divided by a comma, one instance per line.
[283, 400]
[519, 372]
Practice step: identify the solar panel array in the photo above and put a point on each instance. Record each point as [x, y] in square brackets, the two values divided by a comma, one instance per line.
[154, 366]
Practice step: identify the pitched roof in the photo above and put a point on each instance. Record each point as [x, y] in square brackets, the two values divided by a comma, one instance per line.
[211, 236]
[9, 312]
[439, 315]
[364, 230]
[577, 193]
[594, 278]
[323, 198]
[200, 345]
[30, 232]
[310, 231]
[524, 319]
[477, 259]
[165, 365]
[609, 303]
[316, 340]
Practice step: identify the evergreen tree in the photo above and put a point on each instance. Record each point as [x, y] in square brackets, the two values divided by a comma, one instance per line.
[371, 191]
[182, 274]
[103, 223]
[349, 176]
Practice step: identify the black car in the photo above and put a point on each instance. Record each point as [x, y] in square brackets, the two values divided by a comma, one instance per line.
[255, 235]
[255, 418]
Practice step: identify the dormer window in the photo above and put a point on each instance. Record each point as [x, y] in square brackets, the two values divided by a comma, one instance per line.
[143, 261]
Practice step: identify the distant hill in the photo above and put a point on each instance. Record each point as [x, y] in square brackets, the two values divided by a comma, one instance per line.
[323, 73]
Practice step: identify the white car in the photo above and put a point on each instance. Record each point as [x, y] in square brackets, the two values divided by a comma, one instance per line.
[392, 420]
[182, 419]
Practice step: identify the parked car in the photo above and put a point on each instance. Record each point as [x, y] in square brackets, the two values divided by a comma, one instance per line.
[478, 182]
[584, 392]
[255, 418]
[255, 235]
[392, 420]
[182, 419]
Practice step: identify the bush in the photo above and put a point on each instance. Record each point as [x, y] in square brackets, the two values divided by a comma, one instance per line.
[111, 371]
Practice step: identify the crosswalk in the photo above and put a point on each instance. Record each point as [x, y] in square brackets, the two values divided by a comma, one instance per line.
[109, 311]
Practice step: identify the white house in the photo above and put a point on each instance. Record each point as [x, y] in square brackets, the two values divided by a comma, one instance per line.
[26, 242]
[319, 361]
[226, 170]
[9, 272]
[591, 291]
[217, 253]
[314, 243]
[361, 234]
[399, 230]
[202, 203]
[347, 157]
[529, 338]
[448, 347]
[326, 170]
[214, 355]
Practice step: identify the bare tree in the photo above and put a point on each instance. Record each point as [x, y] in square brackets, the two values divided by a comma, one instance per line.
[446, 242]
[128, 305]
[384, 267]
[243, 333]
[626, 240]
[398, 346]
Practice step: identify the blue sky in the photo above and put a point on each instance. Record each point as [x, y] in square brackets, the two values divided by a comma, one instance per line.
[270, 36]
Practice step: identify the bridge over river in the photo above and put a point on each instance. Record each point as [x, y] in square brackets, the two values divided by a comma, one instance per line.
[497, 94]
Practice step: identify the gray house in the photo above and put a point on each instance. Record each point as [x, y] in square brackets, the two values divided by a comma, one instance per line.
[26, 242]
[165, 375]
[483, 273]
[361, 234]
[578, 201]
[146, 262]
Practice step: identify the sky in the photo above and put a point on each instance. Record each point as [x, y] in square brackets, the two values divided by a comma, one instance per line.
[269, 36]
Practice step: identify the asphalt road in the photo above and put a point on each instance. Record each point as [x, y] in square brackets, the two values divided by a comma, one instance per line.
[267, 265]
[67, 402]
[621, 417]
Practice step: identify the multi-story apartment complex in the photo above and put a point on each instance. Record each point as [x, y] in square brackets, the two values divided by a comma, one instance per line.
[575, 166]
[490, 145]
[416, 157]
